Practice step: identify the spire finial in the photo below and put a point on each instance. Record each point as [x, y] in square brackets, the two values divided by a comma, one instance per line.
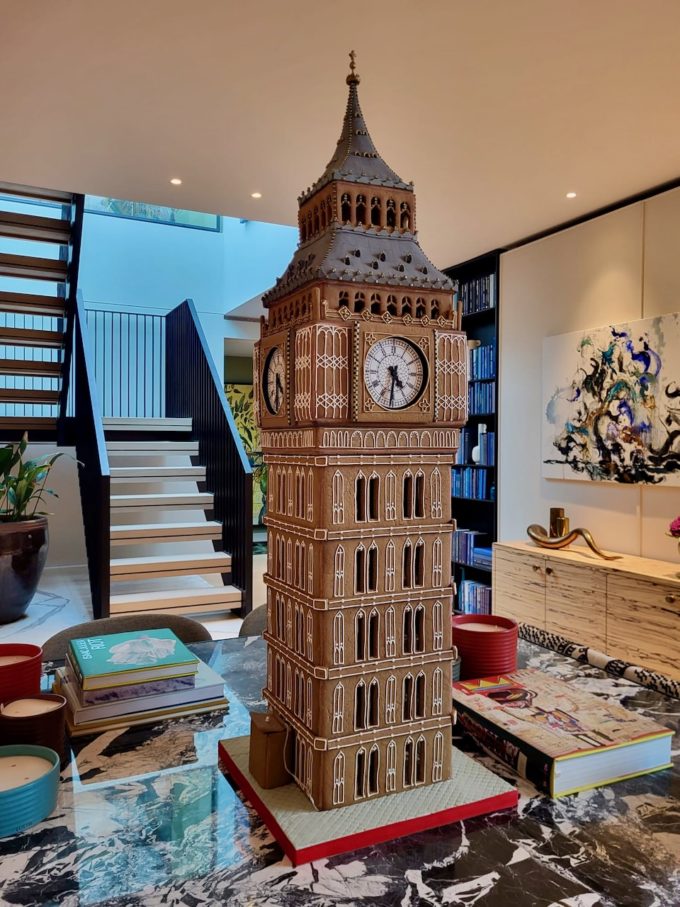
[353, 77]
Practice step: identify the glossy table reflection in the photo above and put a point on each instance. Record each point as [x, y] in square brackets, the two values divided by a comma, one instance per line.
[146, 818]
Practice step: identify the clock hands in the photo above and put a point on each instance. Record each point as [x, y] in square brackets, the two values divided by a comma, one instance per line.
[396, 381]
[279, 391]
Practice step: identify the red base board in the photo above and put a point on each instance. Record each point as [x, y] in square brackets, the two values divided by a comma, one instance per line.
[366, 838]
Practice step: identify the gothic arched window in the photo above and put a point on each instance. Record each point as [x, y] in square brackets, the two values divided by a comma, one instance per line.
[360, 706]
[360, 498]
[339, 576]
[360, 569]
[419, 496]
[360, 774]
[390, 634]
[437, 569]
[420, 760]
[419, 698]
[438, 756]
[361, 209]
[390, 569]
[375, 211]
[373, 769]
[373, 710]
[407, 698]
[405, 216]
[391, 775]
[345, 208]
[339, 638]
[419, 564]
[360, 636]
[407, 631]
[391, 700]
[407, 496]
[372, 569]
[373, 634]
[338, 708]
[407, 565]
[339, 779]
[437, 691]
[419, 629]
[373, 497]
[391, 213]
[437, 626]
[408, 762]
[436, 494]
[338, 498]
[390, 496]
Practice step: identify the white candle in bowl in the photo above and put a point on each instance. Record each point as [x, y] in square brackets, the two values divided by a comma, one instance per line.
[480, 627]
[18, 770]
[12, 659]
[24, 708]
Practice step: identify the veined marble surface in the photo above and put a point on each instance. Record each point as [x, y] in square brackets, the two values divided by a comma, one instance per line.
[145, 818]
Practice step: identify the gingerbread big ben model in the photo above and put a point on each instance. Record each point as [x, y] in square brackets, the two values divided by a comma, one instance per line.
[360, 393]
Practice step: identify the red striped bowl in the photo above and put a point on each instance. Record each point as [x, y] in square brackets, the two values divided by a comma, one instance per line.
[485, 652]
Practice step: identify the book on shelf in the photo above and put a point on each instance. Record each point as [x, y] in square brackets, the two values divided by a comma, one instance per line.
[482, 557]
[469, 482]
[482, 398]
[207, 689]
[478, 294]
[484, 440]
[474, 597]
[463, 548]
[482, 362]
[129, 658]
[561, 739]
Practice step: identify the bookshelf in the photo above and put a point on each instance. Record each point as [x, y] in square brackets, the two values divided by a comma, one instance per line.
[474, 489]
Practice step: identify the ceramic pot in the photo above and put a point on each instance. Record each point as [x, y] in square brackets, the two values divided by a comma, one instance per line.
[23, 552]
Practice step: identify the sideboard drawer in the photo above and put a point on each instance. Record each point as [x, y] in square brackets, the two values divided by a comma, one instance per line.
[575, 602]
[643, 623]
[519, 586]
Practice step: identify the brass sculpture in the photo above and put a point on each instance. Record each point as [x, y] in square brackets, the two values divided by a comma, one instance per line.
[538, 534]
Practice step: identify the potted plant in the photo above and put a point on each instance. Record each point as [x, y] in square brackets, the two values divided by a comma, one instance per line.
[23, 527]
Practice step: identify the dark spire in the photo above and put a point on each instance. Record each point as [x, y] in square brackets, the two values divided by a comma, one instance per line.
[356, 158]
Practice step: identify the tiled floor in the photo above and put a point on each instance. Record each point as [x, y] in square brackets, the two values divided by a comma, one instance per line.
[63, 600]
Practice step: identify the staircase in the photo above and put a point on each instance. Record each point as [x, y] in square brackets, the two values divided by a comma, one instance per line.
[39, 251]
[168, 550]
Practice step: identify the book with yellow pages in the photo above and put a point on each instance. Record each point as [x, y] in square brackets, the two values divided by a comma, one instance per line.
[561, 739]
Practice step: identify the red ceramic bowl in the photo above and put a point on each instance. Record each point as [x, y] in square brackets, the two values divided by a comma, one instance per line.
[485, 652]
[20, 678]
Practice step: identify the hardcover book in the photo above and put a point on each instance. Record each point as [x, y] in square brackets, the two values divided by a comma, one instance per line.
[561, 739]
[128, 690]
[136, 657]
[209, 685]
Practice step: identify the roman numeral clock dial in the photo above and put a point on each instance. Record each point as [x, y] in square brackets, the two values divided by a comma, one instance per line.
[395, 373]
[274, 380]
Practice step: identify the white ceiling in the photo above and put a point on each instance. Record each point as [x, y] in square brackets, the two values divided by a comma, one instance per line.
[494, 108]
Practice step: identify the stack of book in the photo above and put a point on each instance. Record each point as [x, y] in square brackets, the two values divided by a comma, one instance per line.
[474, 598]
[482, 557]
[478, 294]
[471, 438]
[122, 679]
[482, 361]
[469, 483]
[482, 398]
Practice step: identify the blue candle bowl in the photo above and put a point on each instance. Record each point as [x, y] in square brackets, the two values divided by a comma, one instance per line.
[24, 806]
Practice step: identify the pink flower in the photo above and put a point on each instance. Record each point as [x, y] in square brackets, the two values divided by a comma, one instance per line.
[674, 528]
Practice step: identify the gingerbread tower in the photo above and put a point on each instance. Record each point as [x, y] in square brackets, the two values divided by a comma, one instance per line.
[360, 392]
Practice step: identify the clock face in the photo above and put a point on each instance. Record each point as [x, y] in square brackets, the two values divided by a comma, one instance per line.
[395, 372]
[274, 380]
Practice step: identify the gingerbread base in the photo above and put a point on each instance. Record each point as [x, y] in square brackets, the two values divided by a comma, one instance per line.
[306, 834]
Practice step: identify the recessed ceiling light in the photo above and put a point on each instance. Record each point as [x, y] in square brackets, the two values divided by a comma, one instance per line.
[571, 195]
[176, 181]
[256, 195]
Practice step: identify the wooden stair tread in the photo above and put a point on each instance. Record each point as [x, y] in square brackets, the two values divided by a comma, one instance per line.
[28, 395]
[27, 423]
[35, 228]
[156, 473]
[150, 425]
[46, 195]
[151, 448]
[32, 304]
[130, 533]
[197, 500]
[177, 601]
[30, 337]
[157, 566]
[32, 267]
[37, 367]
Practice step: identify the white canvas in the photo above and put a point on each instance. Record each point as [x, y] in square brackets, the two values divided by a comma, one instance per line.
[611, 403]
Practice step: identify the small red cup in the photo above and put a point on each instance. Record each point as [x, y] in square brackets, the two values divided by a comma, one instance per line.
[20, 674]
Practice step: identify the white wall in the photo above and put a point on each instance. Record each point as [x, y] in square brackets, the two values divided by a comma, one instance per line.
[615, 268]
[130, 264]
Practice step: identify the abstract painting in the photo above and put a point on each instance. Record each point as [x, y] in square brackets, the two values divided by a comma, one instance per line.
[611, 400]
[240, 399]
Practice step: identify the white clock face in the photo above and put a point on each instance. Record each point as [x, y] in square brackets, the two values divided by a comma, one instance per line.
[395, 373]
[274, 383]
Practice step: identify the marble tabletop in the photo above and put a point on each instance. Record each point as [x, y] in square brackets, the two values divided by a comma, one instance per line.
[145, 818]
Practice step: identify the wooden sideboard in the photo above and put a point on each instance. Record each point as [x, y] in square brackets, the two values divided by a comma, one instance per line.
[628, 608]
